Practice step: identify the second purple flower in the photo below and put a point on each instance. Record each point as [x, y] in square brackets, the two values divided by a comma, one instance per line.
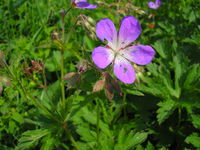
[83, 4]
[119, 49]
[155, 5]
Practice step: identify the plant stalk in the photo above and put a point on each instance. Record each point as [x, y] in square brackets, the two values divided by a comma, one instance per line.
[124, 105]
[26, 94]
[62, 56]
[71, 139]
[98, 119]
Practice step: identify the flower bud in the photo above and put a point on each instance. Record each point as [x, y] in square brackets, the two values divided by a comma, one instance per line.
[73, 78]
[109, 91]
[55, 35]
[82, 66]
[98, 86]
[5, 81]
[111, 85]
[69, 75]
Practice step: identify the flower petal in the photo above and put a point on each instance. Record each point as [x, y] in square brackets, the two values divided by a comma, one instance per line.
[124, 70]
[105, 29]
[81, 1]
[140, 54]
[155, 5]
[159, 3]
[129, 31]
[86, 5]
[102, 56]
[76, 1]
[152, 5]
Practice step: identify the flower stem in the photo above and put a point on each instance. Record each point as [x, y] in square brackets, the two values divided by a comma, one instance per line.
[62, 56]
[26, 94]
[179, 117]
[72, 139]
[63, 14]
[62, 76]
[124, 105]
[67, 11]
[98, 118]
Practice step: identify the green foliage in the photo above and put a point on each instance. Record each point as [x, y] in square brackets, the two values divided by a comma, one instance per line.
[193, 139]
[29, 138]
[166, 108]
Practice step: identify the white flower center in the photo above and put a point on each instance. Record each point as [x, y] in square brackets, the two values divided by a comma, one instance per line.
[118, 46]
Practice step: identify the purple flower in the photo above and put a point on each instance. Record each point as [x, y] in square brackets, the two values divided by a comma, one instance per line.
[83, 4]
[155, 5]
[119, 50]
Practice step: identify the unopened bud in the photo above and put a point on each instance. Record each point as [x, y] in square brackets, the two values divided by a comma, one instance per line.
[70, 75]
[82, 65]
[116, 86]
[111, 85]
[74, 81]
[73, 78]
[5, 81]
[55, 35]
[109, 92]
[98, 86]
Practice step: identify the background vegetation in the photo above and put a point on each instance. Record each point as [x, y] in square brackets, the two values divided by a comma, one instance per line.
[159, 111]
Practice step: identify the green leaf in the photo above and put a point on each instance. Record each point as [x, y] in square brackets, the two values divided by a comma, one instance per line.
[193, 139]
[48, 143]
[129, 140]
[12, 127]
[196, 121]
[17, 117]
[167, 107]
[91, 118]
[138, 138]
[53, 63]
[50, 95]
[150, 146]
[89, 43]
[77, 108]
[139, 147]
[134, 92]
[86, 134]
[194, 39]
[178, 72]
[161, 47]
[30, 138]
[193, 75]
